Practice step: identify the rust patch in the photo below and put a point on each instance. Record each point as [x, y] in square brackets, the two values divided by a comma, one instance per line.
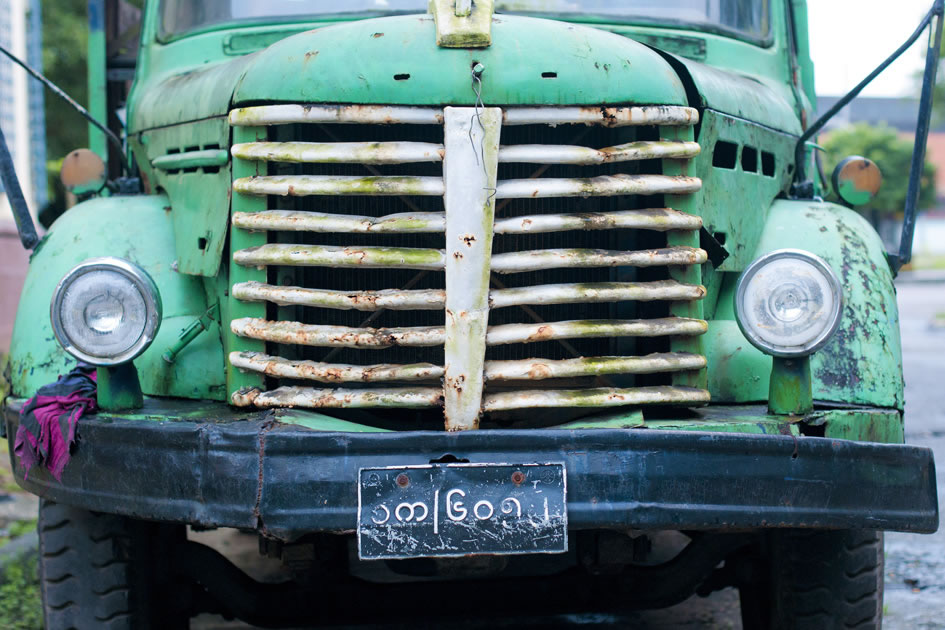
[376, 35]
[469, 239]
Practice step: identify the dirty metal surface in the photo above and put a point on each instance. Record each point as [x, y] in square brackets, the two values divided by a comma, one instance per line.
[597, 397]
[387, 299]
[455, 510]
[251, 474]
[603, 186]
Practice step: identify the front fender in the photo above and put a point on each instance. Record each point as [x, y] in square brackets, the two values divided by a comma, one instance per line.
[862, 364]
[138, 229]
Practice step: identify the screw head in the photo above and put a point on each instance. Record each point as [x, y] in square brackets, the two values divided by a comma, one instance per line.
[518, 477]
[402, 480]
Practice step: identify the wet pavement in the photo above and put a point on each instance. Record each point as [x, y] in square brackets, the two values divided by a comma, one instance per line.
[915, 564]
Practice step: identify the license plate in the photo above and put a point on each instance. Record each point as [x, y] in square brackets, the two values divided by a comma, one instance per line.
[451, 510]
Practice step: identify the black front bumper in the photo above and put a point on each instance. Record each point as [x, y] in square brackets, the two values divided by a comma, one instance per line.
[285, 480]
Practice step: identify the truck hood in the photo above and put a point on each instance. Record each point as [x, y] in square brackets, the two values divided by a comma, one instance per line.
[396, 60]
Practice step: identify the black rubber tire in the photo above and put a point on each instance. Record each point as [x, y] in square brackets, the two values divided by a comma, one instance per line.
[102, 570]
[823, 580]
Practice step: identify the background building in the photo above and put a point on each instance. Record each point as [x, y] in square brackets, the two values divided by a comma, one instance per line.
[22, 120]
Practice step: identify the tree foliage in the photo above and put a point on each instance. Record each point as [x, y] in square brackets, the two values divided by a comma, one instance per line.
[65, 46]
[893, 155]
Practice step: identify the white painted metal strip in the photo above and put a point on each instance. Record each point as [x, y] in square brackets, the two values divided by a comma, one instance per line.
[539, 369]
[601, 397]
[333, 373]
[604, 116]
[331, 256]
[387, 299]
[472, 146]
[298, 221]
[596, 292]
[306, 185]
[341, 152]
[659, 219]
[602, 186]
[516, 262]
[563, 154]
[361, 114]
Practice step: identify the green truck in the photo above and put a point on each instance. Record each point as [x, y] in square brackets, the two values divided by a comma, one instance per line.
[469, 308]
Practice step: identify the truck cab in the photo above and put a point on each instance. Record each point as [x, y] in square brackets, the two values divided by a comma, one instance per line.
[469, 296]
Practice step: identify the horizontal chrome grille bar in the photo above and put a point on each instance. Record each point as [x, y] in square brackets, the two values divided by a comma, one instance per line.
[594, 328]
[379, 338]
[669, 115]
[595, 292]
[413, 152]
[659, 219]
[296, 333]
[296, 221]
[332, 373]
[586, 156]
[331, 256]
[528, 369]
[539, 369]
[340, 152]
[264, 115]
[516, 262]
[305, 185]
[600, 397]
[392, 398]
[603, 186]
[388, 299]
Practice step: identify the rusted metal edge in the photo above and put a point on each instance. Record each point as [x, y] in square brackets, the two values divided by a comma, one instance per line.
[540, 369]
[528, 369]
[601, 397]
[264, 115]
[606, 116]
[602, 186]
[340, 152]
[566, 154]
[333, 373]
[300, 221]
[305, 185]
[516, 262]
[394, 397]
[332, 256]
[596, 292]
[413, 152]
[658, 219]
[296, 333]
[387, 299]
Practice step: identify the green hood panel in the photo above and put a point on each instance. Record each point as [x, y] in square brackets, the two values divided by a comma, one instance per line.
[357, 62]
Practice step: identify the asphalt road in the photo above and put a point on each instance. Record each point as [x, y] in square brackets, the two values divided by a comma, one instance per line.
[915, 564]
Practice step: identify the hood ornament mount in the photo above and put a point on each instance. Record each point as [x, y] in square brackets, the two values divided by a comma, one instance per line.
[463, 23]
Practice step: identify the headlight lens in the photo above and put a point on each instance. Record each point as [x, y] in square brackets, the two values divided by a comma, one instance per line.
[106, 311]
[788, 303]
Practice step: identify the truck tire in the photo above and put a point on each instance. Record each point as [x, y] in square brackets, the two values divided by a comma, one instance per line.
[99, 570]
[826, 579]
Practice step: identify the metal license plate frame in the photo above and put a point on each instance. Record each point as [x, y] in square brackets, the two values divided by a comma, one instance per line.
[508, 509]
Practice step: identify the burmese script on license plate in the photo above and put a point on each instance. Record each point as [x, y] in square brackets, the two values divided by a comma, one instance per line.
[451, 510]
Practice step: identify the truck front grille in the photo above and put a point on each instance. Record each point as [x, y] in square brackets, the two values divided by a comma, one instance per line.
[548, 281]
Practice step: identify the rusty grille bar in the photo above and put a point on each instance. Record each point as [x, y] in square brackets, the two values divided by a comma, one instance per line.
[463, 260]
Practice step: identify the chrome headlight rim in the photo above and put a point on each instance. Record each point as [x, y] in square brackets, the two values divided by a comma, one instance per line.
[790, 352]
[144, 284]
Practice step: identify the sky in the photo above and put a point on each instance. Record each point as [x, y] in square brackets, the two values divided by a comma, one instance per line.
[851, 37]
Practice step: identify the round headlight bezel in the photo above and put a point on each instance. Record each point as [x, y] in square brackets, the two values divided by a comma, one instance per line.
[142, 282]
[825, 335]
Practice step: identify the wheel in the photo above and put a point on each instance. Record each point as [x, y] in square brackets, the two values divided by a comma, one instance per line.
[820, 580]
[104, 571]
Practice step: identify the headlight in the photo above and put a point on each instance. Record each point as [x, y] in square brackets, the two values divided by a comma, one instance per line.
[788, 303]
[106, 311]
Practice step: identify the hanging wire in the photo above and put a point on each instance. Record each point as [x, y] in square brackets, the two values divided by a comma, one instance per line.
[476, 73]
